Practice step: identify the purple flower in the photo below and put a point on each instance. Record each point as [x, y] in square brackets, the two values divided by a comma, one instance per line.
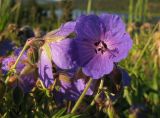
[59, 47]
[45, 69]
[26, 81]
[101, 41]
[71, 87]
[7, 63]
[6, 46]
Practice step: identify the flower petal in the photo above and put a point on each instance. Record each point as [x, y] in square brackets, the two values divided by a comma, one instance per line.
[85, 52]
[7, 63]
[66, 29]
[73, 89]
[98, 66]
[62, 32]
[45, 69]
[114, 24]
[80, 84]
[89, 28]
[117, 39]
[63, 53]
[27, 82]
[121, 48]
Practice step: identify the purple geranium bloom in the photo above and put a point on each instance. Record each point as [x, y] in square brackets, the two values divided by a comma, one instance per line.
[59, 47]
[7, 63]
[26, 81]
[101, 41]
[71, 87]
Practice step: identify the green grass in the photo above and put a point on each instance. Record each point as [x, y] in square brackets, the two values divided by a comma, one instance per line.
[118, 6]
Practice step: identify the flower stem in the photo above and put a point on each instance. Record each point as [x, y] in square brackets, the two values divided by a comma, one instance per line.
[89, 6]
[17, 60]
[98, 93]
[21, 53]
[82, 96]
[6, 81]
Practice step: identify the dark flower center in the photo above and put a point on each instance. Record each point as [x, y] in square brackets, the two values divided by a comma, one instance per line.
[101, 47]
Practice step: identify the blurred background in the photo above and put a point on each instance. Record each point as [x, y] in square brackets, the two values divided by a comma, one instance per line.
[48, 14]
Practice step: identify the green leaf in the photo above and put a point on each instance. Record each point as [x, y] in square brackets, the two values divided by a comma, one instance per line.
[47, 92]
[71, 116]
[59, 113]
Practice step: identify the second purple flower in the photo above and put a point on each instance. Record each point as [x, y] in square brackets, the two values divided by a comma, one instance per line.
[101, 41]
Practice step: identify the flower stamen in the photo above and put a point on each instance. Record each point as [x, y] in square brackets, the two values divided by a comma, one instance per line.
[101, 47]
